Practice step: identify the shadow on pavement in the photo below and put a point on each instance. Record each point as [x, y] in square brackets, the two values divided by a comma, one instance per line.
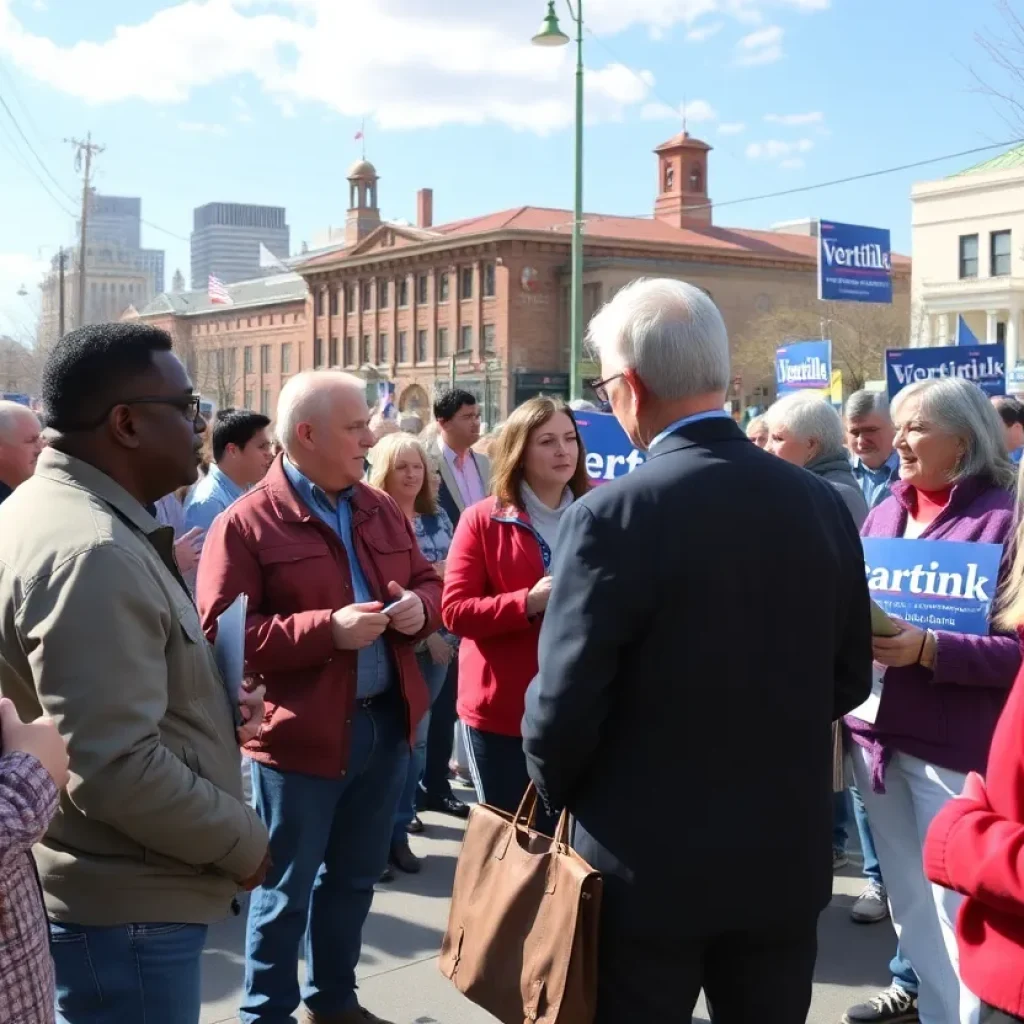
[399, 937]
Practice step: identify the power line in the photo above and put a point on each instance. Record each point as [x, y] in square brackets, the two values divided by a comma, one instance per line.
[32, 171]
[166, 231]
[31, 149]
[21, 103]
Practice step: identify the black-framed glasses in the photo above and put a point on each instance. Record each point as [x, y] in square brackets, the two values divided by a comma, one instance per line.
[600, 387]
[187, 404]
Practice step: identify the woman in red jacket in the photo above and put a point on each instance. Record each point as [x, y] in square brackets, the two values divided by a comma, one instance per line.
[497, 583]
[975, 846]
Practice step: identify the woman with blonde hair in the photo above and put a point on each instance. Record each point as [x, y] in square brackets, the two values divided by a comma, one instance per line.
[498, 582]
[400, 466]
[939, 692]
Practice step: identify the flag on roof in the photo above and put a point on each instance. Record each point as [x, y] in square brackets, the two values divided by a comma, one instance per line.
[218, 292]
[269, 261]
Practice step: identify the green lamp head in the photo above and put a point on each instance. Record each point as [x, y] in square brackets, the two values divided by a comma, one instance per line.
[550, 33]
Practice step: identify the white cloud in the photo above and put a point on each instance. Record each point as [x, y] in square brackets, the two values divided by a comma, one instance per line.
[761, 47]
[697, 112]
[704, 32]
[732, 127]
[777, 149]
[418, 63]
[201, 128]
[812, 117]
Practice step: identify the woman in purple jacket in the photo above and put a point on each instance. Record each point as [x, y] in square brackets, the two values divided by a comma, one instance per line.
[938, 694]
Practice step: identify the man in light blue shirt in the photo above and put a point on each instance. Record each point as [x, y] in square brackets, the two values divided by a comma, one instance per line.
[1011, 412]
[242, 454]
[869, 437]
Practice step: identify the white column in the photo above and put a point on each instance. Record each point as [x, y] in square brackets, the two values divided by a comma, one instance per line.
[991, 319]
[1011, 337]
[926, 330]
[944, 336]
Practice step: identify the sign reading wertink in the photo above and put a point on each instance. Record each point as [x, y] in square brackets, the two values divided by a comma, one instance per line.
[854, 263]
[934, 584]
[985, 365]
[803, 366]
[610, 453]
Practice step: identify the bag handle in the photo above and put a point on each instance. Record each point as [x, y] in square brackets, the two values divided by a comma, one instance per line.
[527, 814]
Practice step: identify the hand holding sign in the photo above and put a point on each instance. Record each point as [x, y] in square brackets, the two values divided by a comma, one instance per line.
[900, 650]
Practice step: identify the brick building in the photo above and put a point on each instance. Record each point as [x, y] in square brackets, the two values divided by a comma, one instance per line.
[485, 300]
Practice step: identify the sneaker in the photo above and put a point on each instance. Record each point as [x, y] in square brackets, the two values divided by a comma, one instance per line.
[872, 905]
[839, 859]
[893, 1006]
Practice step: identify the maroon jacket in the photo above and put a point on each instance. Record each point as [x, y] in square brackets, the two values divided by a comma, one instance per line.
[295, 571]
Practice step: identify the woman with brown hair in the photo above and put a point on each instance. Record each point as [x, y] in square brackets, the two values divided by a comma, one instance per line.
[497, 585]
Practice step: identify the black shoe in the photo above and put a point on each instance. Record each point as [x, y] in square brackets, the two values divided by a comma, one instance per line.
[449, 804]
[893, 1006]
[415, 827]
[387, 875]
[404, 859]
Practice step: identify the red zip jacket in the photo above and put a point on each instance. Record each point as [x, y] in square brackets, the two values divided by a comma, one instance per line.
[493, 562]
[294, 569]
[975, 846]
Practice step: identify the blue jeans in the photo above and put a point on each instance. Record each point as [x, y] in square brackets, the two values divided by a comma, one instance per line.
[329, 841]
[840, 821]
[131, 972]
[434, 676]
[902, 973]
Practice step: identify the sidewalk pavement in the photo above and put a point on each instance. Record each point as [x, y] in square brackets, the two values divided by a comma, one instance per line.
[399, 979]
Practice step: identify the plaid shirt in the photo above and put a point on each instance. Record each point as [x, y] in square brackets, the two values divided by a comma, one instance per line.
[28, 800]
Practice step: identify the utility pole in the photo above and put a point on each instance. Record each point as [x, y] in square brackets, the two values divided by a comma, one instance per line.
[88, 148]
[60, 293]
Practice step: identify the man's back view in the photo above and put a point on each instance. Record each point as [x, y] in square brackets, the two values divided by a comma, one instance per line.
[709, 620]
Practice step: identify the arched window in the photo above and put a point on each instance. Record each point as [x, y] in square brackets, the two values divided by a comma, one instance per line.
[696, 179]
[670, 177]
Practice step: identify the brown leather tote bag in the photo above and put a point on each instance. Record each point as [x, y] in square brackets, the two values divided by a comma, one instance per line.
[523, 927]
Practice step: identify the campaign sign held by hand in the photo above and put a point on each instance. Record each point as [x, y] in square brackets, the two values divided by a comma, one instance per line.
[985, 365]
[610, 453]
[934, 584]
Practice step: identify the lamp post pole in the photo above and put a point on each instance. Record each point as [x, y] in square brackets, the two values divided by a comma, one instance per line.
[551, 35]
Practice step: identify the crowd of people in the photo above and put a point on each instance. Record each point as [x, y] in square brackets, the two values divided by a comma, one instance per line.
[416, 606]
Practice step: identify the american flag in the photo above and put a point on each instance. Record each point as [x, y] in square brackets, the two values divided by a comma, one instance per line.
[218, 292]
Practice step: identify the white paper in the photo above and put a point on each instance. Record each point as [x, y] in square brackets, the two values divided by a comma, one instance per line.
[868, 711]
[229, 649]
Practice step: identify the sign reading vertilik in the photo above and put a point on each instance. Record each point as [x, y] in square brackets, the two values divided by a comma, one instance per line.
[854, 263]
[803, 366]
[985, 365]
[610, 453]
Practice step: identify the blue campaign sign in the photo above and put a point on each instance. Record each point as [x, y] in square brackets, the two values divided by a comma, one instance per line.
[16, 396]
[934, 584]
[854, 263]
[803, 366]
[610, 453]
[985, 365]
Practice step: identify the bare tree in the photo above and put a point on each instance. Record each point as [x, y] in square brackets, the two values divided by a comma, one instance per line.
[20, 367]
[217, 371]
[1003, 80]
[860, 333]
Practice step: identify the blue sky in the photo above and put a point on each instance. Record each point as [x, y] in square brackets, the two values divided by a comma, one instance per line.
[258, 101]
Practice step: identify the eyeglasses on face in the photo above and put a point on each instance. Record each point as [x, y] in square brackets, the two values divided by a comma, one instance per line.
[600, 387]
[187, 404]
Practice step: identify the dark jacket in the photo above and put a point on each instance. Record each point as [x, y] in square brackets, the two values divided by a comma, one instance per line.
[946, 716]
[295, 571]
[836, 470]
[709, 620]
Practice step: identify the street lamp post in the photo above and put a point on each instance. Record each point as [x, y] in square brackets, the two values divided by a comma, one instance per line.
[550, 34]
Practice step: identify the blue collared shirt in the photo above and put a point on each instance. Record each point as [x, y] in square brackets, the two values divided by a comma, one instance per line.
[211, 496]
[711, 414]
[374, 671]
[1015, 456]
[876, 484]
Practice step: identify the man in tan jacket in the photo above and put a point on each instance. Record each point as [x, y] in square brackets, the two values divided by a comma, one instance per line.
[97, 629]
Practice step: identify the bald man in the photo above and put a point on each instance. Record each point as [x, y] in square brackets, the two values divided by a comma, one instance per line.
[338, 597]
[20, 445]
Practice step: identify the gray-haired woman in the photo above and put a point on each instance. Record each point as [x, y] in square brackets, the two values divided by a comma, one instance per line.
[941, 691]
[806, 431]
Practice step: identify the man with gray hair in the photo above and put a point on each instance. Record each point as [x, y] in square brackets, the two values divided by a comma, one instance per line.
[805, 430]
[338, 596]
[669, 653]
[20, 445]
[869, 437]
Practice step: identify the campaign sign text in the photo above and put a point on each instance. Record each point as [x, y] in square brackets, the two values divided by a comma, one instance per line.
[934, 584]
[985, 365]
[854, 263]
[610, 453]
[803, 366]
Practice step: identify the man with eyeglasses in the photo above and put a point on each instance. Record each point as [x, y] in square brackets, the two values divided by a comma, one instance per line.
[97, 630]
